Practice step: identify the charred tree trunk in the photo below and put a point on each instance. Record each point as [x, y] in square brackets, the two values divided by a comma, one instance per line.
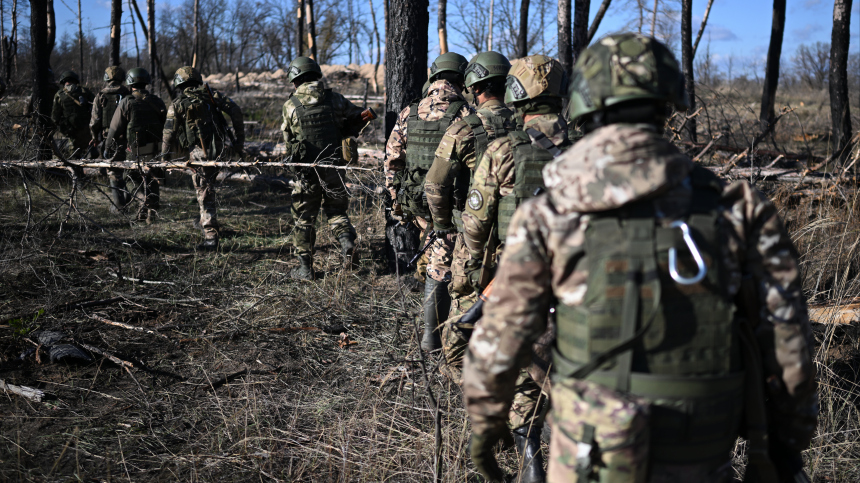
[598, 17]
[523, 34]
[580, 28]
[14, 37]
[300, 28]
[565, 44]
[378, 49]
[115, 30]
[441, 25]
[312, 28]
[196, 33]
[80, 40]
[687, 64]
[771, 74]
[42, 93]
[151, 38]
[134, 33]
[52, 26]
[840, 115]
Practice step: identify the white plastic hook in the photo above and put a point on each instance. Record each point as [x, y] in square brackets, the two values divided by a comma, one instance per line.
[694, 250]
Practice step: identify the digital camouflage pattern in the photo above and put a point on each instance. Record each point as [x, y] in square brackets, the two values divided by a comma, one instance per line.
[495, 178]
[318, 187]
[71, 112]
[544, 259]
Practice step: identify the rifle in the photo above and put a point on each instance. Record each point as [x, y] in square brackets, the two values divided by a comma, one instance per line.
[219, 117]
[431, 237]
[475, 312]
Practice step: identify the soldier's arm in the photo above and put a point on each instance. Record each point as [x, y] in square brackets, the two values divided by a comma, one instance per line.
[439, 183]
[237, 118]
[514, 317]
[482, 202]
[287, 122]
[351, 115]
[395, 150]
[783, 333]
[118, 124]
[169, 140]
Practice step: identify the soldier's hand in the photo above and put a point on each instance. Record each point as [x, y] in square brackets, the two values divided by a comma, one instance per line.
[481, 449]
[472, 271]
[368, 115]
[449, 234]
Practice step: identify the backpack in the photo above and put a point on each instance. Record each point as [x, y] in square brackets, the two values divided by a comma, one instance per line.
[199, 128]
[146, 120]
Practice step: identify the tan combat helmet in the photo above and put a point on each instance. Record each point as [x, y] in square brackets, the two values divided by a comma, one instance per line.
[622, 68]
[533, 77]
[186, 76]
[114, 74]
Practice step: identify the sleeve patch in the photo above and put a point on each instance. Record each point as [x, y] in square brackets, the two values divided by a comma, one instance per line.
[476, 200]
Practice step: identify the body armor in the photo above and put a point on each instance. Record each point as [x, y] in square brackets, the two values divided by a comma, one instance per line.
[319, 130]
[145, 122]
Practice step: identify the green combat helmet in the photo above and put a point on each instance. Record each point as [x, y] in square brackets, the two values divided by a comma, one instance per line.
[486, 66]
[448, 62]
[69, 76]
[622, 68]
[301, 66]
[533, 77]
[138, 77]
[114, 73]
[186, 76]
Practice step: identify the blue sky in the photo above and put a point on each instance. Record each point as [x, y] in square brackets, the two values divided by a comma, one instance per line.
[738, 28]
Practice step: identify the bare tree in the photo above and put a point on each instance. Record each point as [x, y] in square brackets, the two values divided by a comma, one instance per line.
[687, 64]
[565, 51]
[312, 34]
[523, 33]
[52, 26]
[598, 17]
[134, 33]
[840, 114]
[115, 30]
[80, 40]
[300, 28]
[378, 48]
[812, 64]
[405, 55]
[702, 27]
[490, 28]
[771, 76]
[150, 38]
[196, 32]
[441, 19]
[580, 28]
[40, 47]
[654, 18]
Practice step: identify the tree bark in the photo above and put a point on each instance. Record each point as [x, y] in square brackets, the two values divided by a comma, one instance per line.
[196, 33]
[405, 55]
[312, 29]
[3, 37]
[654, 18]
[41, 55]
[115, 30]
[378, 48]
[687, 64]
[580, 28]
[440, 24]
[80, 40]
[300, 29]
[134, 33]
[523, 34]
[702, 27]
[840, 114]
[14, 37]
[52, 25]
[490, 28]
[151, 38]
[565, 51]
[771, 74]
[598, 17]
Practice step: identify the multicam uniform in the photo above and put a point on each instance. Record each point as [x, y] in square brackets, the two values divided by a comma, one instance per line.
[550, 259]
[315, 120]
[70, 113]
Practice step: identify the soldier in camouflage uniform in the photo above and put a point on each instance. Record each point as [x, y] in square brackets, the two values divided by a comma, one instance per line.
[406, 165]
[680, 315]
[137, 127]
[316, 121]
[71, 111]
[448, 181]
[104, 105]
[196, 129]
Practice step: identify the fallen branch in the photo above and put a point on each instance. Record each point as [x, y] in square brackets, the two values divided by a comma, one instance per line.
[733, 162]
[140, 280]
[702, 153]
[126, 326]
[176, 164]
[23, 391]
[766, 152]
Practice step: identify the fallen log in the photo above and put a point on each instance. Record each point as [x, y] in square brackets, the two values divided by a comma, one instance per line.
[23, 391]
[835, 314]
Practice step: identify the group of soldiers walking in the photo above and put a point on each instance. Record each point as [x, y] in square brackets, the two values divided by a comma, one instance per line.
[653, 313]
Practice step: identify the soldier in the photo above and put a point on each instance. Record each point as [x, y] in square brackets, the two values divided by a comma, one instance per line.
[406, 165]
[137, 127]
[316, 121]
[448, 180]
[71, 111]
[196, 128]
[104, 105]
[680, 315]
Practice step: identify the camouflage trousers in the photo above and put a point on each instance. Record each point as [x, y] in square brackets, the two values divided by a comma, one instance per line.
[146, 178]
[319, 189]
[615, 425]
[204, 185]
[439, 257]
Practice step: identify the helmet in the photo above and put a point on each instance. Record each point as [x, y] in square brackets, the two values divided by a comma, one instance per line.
[138, 76]
[535, 76]
[301, 66]
[448, 62]
[486, 65]
[625, 67]
[185, 76]
[114, 73]
[68, 75]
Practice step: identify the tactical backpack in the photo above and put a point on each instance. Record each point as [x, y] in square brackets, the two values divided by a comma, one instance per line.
[424, 138]
[146, 121]
[532, 150]
[109, 102]
[199, 128]
[319, 130]
[656, 323]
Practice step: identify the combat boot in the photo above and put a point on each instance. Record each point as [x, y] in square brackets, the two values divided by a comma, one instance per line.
[118, 195]
[530, 455]
[347, 249]
[305, 270]
[210, 240]
[437, 304]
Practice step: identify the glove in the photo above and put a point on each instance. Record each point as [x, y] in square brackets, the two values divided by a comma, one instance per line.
[472, 270]
[481, 449]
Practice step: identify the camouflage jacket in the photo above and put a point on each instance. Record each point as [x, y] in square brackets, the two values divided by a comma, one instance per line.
[71, 108]
[455, 153]
[176, 117]
[97, 124]
[494, 178]
[122, 116]
[440, 95]
[544, 259]
[309, 94]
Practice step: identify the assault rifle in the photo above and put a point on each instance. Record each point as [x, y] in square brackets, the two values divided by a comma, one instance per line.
[219, 117]
[431, 237]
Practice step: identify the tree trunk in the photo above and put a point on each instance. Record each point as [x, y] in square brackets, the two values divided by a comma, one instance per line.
[580, 27]
[312, 29]
[771, 74]
[840, 115]
[378, 48]
[52, 26]
[80, 40]
[41, 55]
[405, 55]
[598, 17]
[196, 33]
[300, 29]
[523, 34]
[440, 24]
[134, 34]
[151, 38]
[115, 30]
[14, 37]
[687, 64]
[3, 38]
[565, 51]
[654, 18]
[490, 28]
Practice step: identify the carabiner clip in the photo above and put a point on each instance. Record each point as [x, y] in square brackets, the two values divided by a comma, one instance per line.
[694, 250]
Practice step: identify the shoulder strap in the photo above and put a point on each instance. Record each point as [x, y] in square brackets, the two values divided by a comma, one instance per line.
[413, 112]
[541, 140]
[452, 111]
[518, 137]
[298, 104]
